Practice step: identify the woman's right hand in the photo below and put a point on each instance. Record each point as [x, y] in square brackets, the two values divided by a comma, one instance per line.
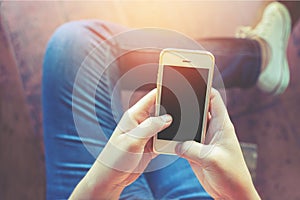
[126, 154]
[219, 164]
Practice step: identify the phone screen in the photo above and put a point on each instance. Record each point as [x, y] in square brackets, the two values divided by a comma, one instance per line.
[183, 95]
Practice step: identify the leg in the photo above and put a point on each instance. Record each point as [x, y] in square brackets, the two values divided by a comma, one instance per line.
[238, 60]
[71, 132]
[272, 33]
[257, 57]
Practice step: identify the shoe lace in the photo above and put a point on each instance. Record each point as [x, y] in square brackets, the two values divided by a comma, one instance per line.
[244, 32]
[259, 30]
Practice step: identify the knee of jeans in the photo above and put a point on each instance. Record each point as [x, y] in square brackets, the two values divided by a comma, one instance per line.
[60, 55]
[67, 37]
[69, 45]
[79, 34]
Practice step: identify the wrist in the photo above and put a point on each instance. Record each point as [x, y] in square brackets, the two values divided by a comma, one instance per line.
[89, 189]
[104, 182]
[246, 193]
[252, 194]
[104, 190]
[99, 183]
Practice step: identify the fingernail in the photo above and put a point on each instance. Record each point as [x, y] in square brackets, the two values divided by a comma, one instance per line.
[178, 149]
[166, 118]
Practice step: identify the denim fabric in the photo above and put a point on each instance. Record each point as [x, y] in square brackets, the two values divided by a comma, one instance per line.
[82, 105]
[238, 61]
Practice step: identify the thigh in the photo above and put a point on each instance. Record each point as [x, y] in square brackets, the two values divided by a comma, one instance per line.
[175, 181]
[78, 119]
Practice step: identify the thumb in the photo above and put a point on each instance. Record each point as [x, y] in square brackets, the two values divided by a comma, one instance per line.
[192, 151]
[150, 127]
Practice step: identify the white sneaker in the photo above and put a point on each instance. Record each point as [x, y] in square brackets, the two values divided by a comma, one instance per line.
[274, 28]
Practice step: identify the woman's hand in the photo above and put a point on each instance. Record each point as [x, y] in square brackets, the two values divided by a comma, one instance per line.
[219, 164]
[127, 153]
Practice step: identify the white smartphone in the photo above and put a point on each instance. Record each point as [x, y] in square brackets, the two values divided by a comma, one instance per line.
[183, 90]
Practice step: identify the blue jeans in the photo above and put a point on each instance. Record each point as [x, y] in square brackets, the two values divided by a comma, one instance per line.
[72, 135]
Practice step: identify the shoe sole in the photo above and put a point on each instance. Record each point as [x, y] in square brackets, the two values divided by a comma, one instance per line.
[285, 77]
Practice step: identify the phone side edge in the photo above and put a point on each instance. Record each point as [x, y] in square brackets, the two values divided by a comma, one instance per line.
[158, 94]
[207, 100]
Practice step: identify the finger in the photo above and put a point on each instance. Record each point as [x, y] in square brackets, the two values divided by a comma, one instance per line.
[220, 123]
[219, 115]
[140, 111]
[126, 123]
[190, 150]
[151, 126]
[217, 106]
[137, 113]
